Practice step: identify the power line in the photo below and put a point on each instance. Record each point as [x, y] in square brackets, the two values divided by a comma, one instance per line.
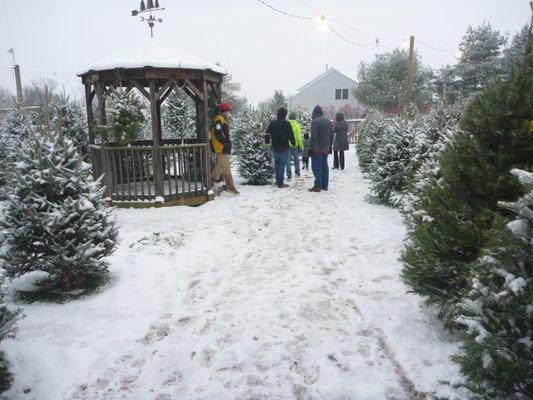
[349, 41]
[435, 47]
[284, 12]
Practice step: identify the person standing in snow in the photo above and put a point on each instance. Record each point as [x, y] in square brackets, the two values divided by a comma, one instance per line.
[305, 152]
[319, 148]
[221, 145]
[281, 134]
[340, 144]
[294, 150]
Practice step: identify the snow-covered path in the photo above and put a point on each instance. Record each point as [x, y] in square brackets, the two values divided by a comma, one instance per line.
[276, 294]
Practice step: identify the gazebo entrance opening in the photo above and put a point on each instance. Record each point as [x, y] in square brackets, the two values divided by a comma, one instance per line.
[170, 171]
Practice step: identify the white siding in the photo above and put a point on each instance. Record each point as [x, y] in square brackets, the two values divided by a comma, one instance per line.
[322, 92]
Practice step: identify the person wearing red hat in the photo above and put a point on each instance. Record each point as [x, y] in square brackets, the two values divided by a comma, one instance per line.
[221, 145]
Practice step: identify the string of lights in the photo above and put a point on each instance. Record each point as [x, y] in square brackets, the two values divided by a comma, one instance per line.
[378, 41]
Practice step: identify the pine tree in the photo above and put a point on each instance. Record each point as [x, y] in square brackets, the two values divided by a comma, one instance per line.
[497, 354]
[389, 166]
[460, 207]
[436, 131]
[179, 116]
[369, 134]
[480, 63]
[56, 220]
[243, 121]
[125, 118]
[255, 159]
[8, 317]
[14, 128]
[303, 116]
[68, 117]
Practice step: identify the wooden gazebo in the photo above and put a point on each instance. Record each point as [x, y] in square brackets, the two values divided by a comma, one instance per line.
[157, 171]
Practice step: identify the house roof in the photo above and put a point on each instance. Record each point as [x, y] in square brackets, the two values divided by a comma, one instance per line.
[322, 76]
[152, 53]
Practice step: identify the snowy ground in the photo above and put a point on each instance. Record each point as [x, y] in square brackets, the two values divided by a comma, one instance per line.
[276, 294]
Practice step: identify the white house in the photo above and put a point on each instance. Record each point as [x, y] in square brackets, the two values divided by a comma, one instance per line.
[332, 90]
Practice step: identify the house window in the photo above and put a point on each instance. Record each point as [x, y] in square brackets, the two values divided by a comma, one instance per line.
[344, 94]
[337, 94]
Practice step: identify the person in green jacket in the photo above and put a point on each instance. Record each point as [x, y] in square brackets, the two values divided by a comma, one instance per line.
[296, 149]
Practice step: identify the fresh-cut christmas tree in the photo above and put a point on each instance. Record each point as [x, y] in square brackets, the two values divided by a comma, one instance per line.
[67, 116]
[460, 208]
[368, 137]
[497, 355]
[436, 131]
[125, 118]
[179, 116]
[244, 121]
[13, 129]
[389, 166]
[255, 160]
[56, 220]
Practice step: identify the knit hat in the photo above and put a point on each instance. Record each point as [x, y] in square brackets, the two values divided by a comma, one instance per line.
[222, 107]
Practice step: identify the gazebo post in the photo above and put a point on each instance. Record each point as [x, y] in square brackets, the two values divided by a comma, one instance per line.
[89, 94]
[156, 131]
[205, 117]
[101, 102]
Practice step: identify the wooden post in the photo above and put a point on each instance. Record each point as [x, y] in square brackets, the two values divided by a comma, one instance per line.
[101, 104]
[90, 114]
[205, 117]
[410, 71]
[156, 129]
[18, 83]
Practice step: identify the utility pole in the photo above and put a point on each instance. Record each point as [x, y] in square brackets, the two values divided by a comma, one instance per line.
[18, 81]
[410, 70]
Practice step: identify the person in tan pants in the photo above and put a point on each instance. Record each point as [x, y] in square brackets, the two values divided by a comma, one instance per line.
[221, 144]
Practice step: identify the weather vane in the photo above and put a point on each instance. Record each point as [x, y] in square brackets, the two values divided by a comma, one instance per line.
[149, 7]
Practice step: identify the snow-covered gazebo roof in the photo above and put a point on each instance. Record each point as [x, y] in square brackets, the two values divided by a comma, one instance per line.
[152, 53]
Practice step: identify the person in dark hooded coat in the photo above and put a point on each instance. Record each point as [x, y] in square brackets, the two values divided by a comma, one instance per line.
[319, 147]
[281, 133]
[340, 144]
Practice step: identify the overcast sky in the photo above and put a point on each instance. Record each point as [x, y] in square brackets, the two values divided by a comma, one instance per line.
[264, 50]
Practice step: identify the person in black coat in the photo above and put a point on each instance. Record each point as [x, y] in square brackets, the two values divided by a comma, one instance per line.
[340, 144]
[281, 134]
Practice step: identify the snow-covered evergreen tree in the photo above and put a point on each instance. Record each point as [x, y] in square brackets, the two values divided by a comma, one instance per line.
[436, 130]
[243, 121]
[461, 206]
[255, 159]
[368, 136]
[179, 116]
[69, 118]
[480, 63]
[389, 167]
[303, 117]
[125, 117]
[56, 220]
[497, 354]
[8, 317]
[13, 129]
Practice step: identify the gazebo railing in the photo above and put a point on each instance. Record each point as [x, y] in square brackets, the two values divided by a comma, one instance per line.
[144, 173]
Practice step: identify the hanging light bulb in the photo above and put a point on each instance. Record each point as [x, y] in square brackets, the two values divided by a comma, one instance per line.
[143, 7]
[323, 24]
[459, 55]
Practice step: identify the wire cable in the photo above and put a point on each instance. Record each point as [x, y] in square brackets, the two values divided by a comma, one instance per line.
[348, 41]
[435, 47]
[284, 12]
